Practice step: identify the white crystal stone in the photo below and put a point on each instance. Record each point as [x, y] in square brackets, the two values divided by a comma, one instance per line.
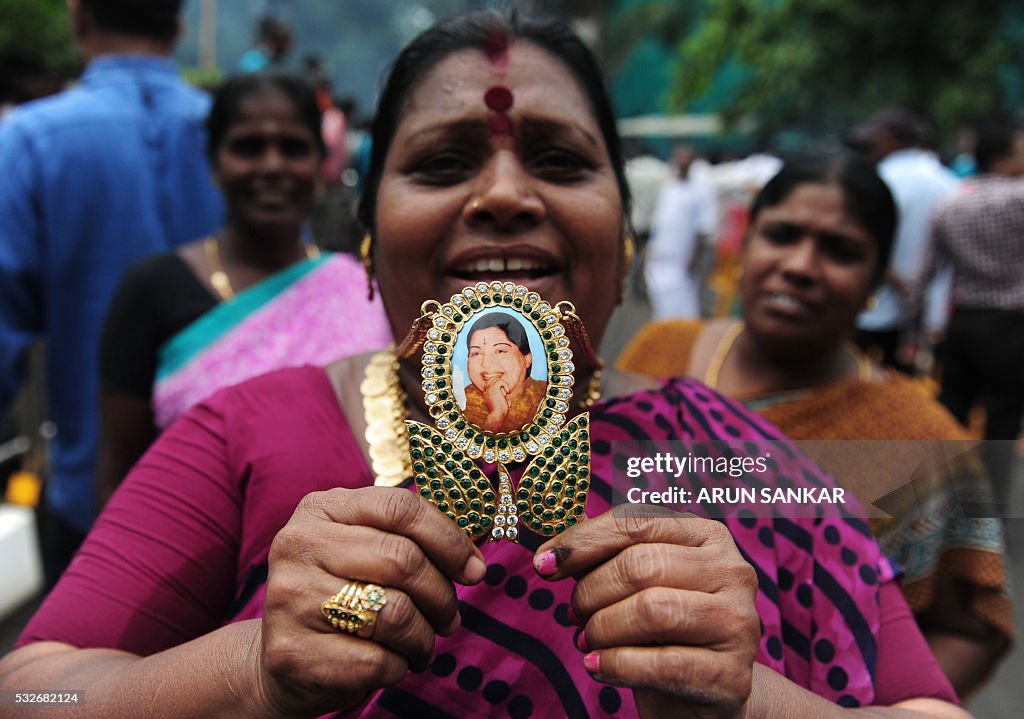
[440, 322]
[566, 381]
[557, 418]
[543, 438]
[564, 393]
[462, 443]
[433, 334]
[429, 386]
[533, 298]
[513, 533]
[513, 519]
[443, 423]
[561, 407]
[468, 292]
[508, 287]
[431, 398]
[563, 341]
[458, 300]
[532, 447]
[451, 433]
[496, 286]
[568, 367]
[518, 454]
[448, 311]
[481, 286]
[564, 355]
[512, 509]
[520, 291]
[499, 521]
[430, 347]
[506, 499]
[489, 455]
[558, 331]
[544, 307]
[503, 456]
[498, 533]
[428, 371]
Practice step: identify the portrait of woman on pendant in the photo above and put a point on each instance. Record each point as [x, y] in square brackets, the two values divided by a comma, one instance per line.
[502, 394]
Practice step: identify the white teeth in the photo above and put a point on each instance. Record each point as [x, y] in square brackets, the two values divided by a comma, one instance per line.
[515, 264]
[787, 300]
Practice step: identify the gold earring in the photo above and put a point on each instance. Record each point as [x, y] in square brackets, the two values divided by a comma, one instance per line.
[475, 204]
[366, 255]
[628, 255]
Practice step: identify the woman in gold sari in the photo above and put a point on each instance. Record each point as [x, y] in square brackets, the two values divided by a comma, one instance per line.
[821, 232]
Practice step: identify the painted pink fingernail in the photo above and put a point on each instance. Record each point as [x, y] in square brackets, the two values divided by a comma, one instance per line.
[581, 641]
[592, 663]
[573, 619]
[546, 564]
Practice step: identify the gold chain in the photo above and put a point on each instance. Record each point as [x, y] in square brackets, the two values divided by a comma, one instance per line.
[732, 333]
[384, 410]
[219, 278]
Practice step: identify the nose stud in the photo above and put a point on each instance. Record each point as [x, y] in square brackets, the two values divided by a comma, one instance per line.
[475, 204]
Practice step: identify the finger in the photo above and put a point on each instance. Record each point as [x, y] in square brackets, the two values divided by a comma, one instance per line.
[326, 664]
[662, 616]
[400, 511]
[700, 676]
[588, 544]
[398, 625]
[390, 560]
[635, 568]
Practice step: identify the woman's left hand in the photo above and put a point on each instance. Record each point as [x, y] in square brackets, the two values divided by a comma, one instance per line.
[667, 605]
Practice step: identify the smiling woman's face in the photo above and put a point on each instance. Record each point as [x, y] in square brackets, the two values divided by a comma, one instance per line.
[807, 270]
[531, 198]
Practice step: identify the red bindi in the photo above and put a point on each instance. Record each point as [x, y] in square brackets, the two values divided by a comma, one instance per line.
[498, 98]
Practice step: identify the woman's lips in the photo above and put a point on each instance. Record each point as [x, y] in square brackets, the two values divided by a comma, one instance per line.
[786, 304]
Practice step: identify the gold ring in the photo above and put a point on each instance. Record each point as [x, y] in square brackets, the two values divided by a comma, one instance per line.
[354, 609]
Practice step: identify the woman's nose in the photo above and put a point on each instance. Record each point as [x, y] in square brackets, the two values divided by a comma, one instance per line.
[801, 261]
[272, 159]
[505, 193]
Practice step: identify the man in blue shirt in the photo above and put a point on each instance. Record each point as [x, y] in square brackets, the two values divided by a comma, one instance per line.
[93, 180]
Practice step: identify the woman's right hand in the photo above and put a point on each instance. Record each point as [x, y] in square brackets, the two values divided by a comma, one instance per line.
[496, 395]
[385, 536]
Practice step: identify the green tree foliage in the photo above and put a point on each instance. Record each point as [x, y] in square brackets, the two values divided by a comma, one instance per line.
[40, 26]
[820, 65]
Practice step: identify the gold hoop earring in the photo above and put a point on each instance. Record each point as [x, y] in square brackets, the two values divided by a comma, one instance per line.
[366, 255]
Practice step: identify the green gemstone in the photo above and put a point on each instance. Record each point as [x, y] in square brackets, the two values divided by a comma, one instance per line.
[458, 474]
[583, 485]
[485, 522]
[502, 443]
[550, 403]
[536, 498]
[446, 337]
[460, 506]
[465, 483]
[440, 383]
[490, 510]
[584, 472]
[486, 300]
[537, 525]
[552, 356]
[569, 521]
[447, 447]
[474, 474]
[557, 487]
[540, 487]
[479, 439]
[438, 496]
[429, 451]
[443, 506]
[472, 493]
[527, 307]
[414, 442]
[457, 317]
[523, 493]
[549, 452]
[578, 510]
[522, 507]
[549, 530]
[551, 500]
[556, 368]
[534, 431]
[547, 515]
[517, 303]
[488, 497]
[547, 413]
[491, 441]
[463, 522]
[474, 516]
[476, 530]
[476, 505]
[547, 335]
[507, 299]
[527, 482]
[559, 528]
[542, 324]
[448, 482]
[467, 464]
[425, 493]
[560, 513]
[460, 425]
[545, 476]
[449, 465]
[419, 467]
[432, 473]
[583, 421]
[535, 315]
[414, 429]
[416, 454]
[447, 405]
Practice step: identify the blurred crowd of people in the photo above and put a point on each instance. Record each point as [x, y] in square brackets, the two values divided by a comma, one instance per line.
[165, 242]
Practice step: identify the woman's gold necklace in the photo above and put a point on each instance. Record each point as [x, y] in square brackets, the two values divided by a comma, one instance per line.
[384, 410]
[219, 278]
[732, 333]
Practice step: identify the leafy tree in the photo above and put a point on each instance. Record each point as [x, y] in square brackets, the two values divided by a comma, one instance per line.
[820, 65]
[40, 26]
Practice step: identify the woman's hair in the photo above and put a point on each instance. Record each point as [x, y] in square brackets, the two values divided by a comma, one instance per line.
[866, 195]
[228, 99]
[508, 324]
[478, 31]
